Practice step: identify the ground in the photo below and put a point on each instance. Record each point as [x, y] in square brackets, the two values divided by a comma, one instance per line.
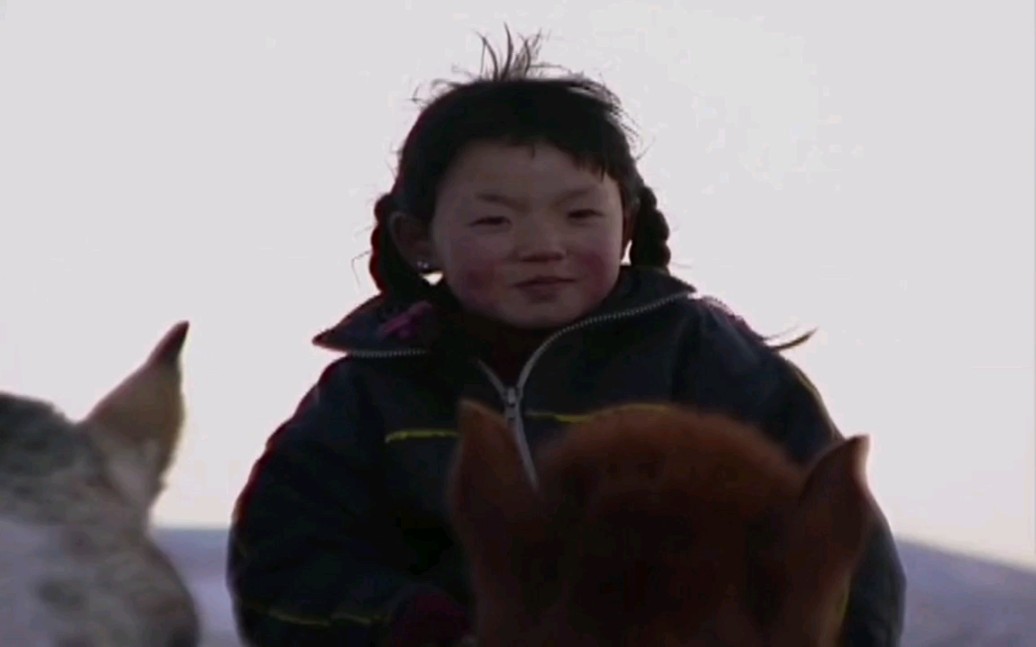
[952, 599]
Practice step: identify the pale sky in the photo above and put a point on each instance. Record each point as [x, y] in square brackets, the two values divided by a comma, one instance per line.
[865, 168]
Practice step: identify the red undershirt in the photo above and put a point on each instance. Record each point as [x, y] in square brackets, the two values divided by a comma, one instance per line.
[504, 348]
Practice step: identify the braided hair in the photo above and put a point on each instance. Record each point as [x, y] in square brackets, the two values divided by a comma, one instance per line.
[512, 102]
[649, 245]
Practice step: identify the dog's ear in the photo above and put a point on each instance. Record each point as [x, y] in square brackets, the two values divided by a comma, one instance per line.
[137, 425]
[489, 487]
[825, 537]
[496, 511]
[836, 504]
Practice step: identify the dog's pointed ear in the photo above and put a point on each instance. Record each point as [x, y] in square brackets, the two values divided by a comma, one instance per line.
[488, 479]
[137, 425]
[825, 537]
[835, 500]
[499, 518]
[495, 510]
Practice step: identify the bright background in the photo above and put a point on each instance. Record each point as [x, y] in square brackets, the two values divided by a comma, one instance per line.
[865, 168]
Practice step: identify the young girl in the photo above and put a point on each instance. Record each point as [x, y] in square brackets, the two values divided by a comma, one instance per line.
[522, 192]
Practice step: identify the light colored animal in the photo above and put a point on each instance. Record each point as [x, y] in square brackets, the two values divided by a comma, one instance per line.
[657, 526]
[77, 565]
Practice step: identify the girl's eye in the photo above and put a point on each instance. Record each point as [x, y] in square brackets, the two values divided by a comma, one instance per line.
[490, 221]
[583, 214]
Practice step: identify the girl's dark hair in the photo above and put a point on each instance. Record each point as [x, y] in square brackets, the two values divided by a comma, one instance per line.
[514, 103]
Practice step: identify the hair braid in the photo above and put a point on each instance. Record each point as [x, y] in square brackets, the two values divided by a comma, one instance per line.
[649, 246]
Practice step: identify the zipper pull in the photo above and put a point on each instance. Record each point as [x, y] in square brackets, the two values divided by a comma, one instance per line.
[511, 406]
[512, 398]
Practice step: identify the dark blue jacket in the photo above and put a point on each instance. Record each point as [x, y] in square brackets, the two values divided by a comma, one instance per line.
[344, 515]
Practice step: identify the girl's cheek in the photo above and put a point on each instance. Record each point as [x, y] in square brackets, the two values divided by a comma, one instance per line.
[473, 282]
[595, 262]
[602, 269]
[473, 279]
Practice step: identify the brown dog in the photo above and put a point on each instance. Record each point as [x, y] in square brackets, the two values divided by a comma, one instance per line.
[657, 526]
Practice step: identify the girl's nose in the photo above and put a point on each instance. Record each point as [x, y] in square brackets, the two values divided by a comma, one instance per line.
[539, 244]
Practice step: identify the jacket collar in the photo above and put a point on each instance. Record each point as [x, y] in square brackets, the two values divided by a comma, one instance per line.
[363, 330]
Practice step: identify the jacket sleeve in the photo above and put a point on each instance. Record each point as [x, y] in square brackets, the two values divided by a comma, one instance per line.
[307, 559]
[734, 370]
[875, 611]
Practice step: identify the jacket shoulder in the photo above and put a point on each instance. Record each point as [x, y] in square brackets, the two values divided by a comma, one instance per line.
[718, 336]
[328, 410]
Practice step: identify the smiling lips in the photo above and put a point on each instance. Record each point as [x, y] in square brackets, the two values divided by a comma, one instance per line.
[542, 281]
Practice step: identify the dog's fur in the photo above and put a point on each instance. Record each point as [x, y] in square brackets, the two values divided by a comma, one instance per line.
[77, 565]
[657, 526]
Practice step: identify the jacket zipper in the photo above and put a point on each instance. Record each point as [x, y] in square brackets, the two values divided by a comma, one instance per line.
[512, 395]
[512, 399]
[386, 354]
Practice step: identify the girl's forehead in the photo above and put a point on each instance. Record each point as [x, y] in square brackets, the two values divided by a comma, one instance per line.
[497, 169]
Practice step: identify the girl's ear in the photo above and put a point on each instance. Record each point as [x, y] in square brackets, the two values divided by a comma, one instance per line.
[629, 222]
[413, 239]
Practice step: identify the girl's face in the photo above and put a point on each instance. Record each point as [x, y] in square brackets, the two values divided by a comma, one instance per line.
[525, 236]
